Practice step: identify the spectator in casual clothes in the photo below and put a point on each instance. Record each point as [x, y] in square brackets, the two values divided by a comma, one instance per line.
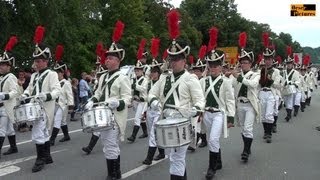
[83, 89]
[75, 83]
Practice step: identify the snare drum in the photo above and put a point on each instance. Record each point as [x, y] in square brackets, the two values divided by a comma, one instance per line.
[173, 132]
[97, 119]
[27, 112]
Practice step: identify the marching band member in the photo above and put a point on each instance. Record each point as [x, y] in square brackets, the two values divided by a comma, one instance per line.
[9, 90]
[100, 70]
[198, 69]
[140, 88]
[246, 93]
[153, 115]
[277, 95]
[179, 89]
[314, 84]
[114, 90]
[292, 81]
[297, 95]
[304, 83]
[65, 101]
[269, 82]
[44, 84]
[220, 104]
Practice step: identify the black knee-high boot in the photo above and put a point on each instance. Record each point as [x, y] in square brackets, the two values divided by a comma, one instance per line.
[212, 165]
[289, 113]
[1, 144]
[161, 154]
[204, 142]
[40, 161]
[265, 130]
[135, 130]
[92, 143]
[303, 106]
[144, 130]
[151, 152]
[269, 132]
[274, 127]
[13, 145]
[65, 131]
[54, 134]
[296, 110]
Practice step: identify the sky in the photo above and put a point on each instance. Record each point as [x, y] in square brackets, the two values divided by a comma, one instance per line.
[276, 13]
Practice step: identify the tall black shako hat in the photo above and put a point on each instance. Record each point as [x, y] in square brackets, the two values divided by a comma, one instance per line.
[268, 49]
[117, 49]
[177, 50]
[59, 65]
[200, 63]
[244, 54]
[214, 56]
[7, 56]
[41, 50]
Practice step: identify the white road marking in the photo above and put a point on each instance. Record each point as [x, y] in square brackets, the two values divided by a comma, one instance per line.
[141, 168]
[9, 170]
[20, 160]
[70, 132]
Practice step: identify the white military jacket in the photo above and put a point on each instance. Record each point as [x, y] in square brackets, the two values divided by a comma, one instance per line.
[186, 91]
[292, 77]
[45, 81]
[225, 92]
[251, 81]
[140, 88]
[9, 86]
[66, 97]
[115, 85]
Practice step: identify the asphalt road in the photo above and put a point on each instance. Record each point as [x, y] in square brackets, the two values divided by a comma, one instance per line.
[293, 154]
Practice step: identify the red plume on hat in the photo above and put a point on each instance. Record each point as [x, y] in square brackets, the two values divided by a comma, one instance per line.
[173, 23]
[117, 31]
[38, 35]
[265, 39]
[99, 49]
[191, 59]
[202, 52]
[155, 44]
[103, 57]
[242, 40]
[306, 60]
[213, 33]
[296, 59]
[141, 49]
[59, 53]
[278, 59]
[11, 43]
[165, 54]
[289, 51]
[232, 61]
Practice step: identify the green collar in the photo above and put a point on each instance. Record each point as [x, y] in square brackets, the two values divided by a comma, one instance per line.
[176, 75]
[112, 72]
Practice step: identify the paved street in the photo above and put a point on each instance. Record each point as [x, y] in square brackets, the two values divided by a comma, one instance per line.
[293, 154]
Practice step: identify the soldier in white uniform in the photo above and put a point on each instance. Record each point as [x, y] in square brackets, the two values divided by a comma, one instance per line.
[179, 89]
[114, 90]
[220, 104]
[292, 81]
[247, 103]
[44, 85]
[9, 90]
[278, 95]
[269, 82]
[64, 103]
[314, 84]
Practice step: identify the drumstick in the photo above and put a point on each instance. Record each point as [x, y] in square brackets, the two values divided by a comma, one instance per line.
[176, 107]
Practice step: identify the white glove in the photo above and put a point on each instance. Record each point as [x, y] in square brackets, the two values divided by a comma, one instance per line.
[2, 96]
[155, 105]
[42, 96]
[193, 111]
[113, 103]
[23, 97]
[89, 105]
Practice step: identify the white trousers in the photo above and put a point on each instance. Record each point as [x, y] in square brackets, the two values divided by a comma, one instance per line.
[304, 96]
[40, 133]
[59, 118]
[152, 118]
[288, 101]
[178, 160]
[277, 103]
[267, 102]
[110, 141]
[297, 98]
[6, 126]
[214, 124]
[139, 108]
[246, 116]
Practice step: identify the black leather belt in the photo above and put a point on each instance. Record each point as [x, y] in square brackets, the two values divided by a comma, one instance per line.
[211, 110]
[265, 89]
[242, 101]
[1, 104]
